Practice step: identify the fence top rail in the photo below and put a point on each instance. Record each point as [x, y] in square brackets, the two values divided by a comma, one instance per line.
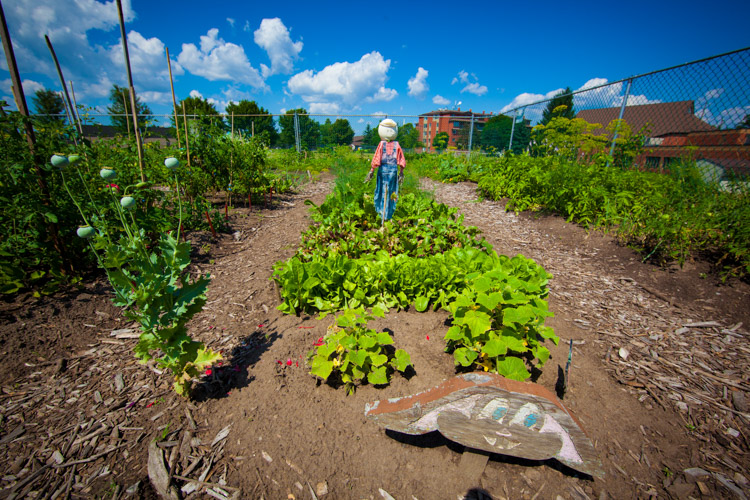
[642, 75]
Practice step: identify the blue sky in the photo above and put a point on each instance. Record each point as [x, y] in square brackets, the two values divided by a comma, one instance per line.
[357, 57]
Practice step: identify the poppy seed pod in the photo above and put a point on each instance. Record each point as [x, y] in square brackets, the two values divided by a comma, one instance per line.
[59, 161]
[73, 159]
[86, 232]
[127, 202]
[171, 163]
[108, 174]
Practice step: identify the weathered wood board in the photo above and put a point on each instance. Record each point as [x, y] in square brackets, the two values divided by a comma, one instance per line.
[491, 413]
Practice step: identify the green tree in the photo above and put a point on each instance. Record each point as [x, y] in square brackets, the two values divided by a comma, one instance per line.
[496, 134]
[408, 136]
[119, 97]
[441, 140]
[370, 136]
[342, 132]
[48, 102]
[309, 129]
[261, 122]
[744, 123]
[555, 107]
[202, 111]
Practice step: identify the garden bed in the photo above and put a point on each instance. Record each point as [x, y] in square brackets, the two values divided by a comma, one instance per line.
[658, 358]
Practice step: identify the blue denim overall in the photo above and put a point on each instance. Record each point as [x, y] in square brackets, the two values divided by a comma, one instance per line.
[387, 176]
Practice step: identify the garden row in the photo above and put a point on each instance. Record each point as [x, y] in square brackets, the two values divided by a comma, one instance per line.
[424, 257]
[38, 246]
[668, 217]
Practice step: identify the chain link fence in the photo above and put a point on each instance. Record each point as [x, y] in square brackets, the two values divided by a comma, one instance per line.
[699, 112]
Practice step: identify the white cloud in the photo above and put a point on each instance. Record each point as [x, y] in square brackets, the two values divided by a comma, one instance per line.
[595, 93]
[147, 61]
[344, 84]
[325, 108]
[67, 24]
[475, 88]
[195, 93]
[528, 98]
[230, 21]
[472, 87]
[462, 77]
[29, 89]
[273, 37]
[219, 60]
[440, 100]
[418, 85]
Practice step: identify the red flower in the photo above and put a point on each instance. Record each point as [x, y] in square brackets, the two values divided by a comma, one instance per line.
[289, 362]
[319, 342]
[208, 371]
[114, 187]
[428, 337]
[279, 362]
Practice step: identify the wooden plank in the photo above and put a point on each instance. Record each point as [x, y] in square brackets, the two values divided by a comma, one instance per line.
[491, 413]
[472, 464]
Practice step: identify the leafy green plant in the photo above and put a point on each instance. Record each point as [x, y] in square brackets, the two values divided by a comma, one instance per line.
[151, 284]
[498, 319]
[353, 352]
[424, 258]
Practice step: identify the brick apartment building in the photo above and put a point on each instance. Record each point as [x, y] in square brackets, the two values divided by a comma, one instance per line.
[675, 132]
[455, 123]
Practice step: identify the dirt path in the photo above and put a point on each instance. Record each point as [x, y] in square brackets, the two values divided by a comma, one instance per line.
[657, 359]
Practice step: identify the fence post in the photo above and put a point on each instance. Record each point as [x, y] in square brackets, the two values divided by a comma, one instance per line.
[617, 126]
[512, 129]
[297, 141]
[471, 133]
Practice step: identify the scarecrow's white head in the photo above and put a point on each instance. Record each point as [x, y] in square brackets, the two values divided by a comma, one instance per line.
[388, 130]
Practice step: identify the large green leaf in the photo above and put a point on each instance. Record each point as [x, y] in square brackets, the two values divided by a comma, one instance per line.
[421, 303]
[464, 357]
[402, 360]
[321, 367]
[513, 368]
[520, 315]
[378, 376]
[478, 322]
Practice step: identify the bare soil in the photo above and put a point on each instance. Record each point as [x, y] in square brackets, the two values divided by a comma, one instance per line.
[659, 378]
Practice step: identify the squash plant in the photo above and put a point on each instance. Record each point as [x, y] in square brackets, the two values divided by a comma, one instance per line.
[355, 353]
[152, 285]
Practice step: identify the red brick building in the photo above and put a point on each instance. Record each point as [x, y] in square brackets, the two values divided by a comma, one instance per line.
[675, 132]
[455, 123]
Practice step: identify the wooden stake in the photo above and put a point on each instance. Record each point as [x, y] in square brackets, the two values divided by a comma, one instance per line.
[127, 113]
[174, 100]
[187, 139]
[75, 107]
[134, 110]
[65, 87]
[20, 99]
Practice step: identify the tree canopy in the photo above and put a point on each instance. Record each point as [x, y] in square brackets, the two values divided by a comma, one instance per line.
[261, 124]
[48, 102]
[119, 98]
[337, 133]
[370, 136]
[199, 109]
[309, 129]
[555, 107]
[408, 136]
[441, 140]
[496, 134]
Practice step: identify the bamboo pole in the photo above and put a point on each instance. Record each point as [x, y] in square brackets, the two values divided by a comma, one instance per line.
[127, 113]
[65, 87]
[65, 107]
[187, 140]
[232, 124]
[75, 107]
[133, 101]
[174, 101]
[18, 94]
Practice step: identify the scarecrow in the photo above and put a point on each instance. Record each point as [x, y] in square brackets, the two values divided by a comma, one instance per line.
[390, 162]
